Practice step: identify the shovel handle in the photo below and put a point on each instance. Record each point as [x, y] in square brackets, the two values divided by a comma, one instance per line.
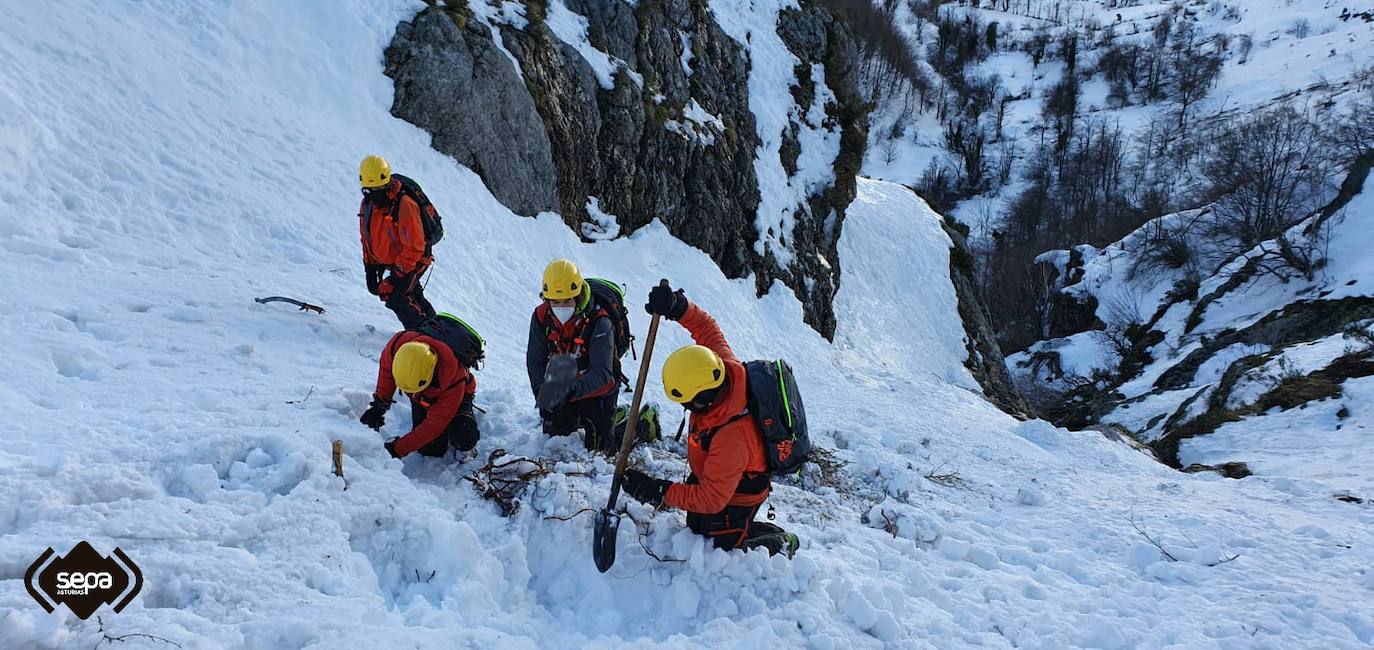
[628, 439]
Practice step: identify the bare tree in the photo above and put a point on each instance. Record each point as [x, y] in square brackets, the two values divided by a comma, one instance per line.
[889, 150]
[1192, 68]
[1267, 172]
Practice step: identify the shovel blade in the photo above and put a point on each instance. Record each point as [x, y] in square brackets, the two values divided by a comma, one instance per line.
[604, 528]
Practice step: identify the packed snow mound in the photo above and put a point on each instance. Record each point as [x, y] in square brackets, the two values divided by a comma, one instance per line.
[168, 162]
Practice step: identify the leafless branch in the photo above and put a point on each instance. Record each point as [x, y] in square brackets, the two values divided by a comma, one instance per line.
[571, 516]
[124, 638]
[502, 480]
[307, 396]
[1148, 538]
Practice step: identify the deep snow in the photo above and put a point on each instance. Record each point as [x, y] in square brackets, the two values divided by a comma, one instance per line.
[162, 163]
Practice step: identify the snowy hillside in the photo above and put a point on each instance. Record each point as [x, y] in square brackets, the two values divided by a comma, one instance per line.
[1298, 49]
[1045, 125]
[1254, 364]
[163, 163]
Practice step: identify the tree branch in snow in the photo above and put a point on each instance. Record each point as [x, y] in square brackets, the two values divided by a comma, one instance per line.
[947, 479]
[1148, 538]
[124, 638]
[302, 400]
[828, 464]
[889, 524]
[571, 516]
[641, 537]
[503, 480]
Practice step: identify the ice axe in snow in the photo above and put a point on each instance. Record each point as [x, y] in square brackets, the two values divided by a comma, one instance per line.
[304, 306]
[607, 522]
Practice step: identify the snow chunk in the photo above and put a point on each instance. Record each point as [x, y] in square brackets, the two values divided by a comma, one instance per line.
[687, 55]
[571, 28]
[603, 226]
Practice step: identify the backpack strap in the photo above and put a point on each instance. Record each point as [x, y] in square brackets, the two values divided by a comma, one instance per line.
[616, 370]
[705, 437]
[365, 214]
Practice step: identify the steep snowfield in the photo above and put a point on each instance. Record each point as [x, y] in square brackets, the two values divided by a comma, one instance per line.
[162, 163]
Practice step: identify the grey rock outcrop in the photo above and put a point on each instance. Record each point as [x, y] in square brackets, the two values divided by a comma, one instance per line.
[984, 361]
[640, 148]
[455, 84]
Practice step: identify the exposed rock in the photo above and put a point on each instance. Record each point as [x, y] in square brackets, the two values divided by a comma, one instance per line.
[454, 83]
[984, 359]
[1068, 314]
[1234, 469]
[643, 147]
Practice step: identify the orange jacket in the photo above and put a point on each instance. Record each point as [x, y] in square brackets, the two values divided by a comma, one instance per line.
[392, 235]
[735, 449]
[452, 384]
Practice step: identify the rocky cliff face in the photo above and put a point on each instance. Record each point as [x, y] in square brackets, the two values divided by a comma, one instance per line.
[453, 82]
[985, 360]
[615, 115]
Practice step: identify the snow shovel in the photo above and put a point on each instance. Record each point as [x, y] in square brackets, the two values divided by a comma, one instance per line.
[607, 522]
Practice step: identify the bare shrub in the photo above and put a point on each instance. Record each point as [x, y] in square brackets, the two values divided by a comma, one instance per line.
[1266, 173]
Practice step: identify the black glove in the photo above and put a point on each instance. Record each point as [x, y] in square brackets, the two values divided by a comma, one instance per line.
[666, 302]
[375, 415]
[645, 488]
[390, 445]
[374, 274]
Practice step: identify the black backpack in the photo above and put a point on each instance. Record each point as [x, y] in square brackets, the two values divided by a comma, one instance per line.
[466, 343]
[776, 404]
[610, 297]
[429, 216]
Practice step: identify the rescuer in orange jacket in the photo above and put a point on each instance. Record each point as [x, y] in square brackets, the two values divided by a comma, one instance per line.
[393, 239]
[440, 389]
[729, 477]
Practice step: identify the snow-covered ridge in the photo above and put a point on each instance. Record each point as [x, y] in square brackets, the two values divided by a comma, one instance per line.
[1263, 366]
[173, 161]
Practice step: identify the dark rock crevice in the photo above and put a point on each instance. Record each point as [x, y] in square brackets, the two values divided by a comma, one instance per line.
[984, 360]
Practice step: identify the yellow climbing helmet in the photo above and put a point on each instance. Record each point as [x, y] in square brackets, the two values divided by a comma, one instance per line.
[562, 281]
[690, 370]
[373, 172]
[413, 367]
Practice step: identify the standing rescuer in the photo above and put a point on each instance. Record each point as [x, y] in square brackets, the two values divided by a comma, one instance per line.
[729, 478]
[441, 392]
[396, 251]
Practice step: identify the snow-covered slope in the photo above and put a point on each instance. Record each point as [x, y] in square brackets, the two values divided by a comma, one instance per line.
[1251, 365]
[1301, 51]
[163, 163]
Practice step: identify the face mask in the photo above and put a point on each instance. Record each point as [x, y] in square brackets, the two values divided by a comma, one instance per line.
[564, 314]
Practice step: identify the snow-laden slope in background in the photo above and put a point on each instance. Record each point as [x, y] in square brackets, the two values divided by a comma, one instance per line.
[162, 163]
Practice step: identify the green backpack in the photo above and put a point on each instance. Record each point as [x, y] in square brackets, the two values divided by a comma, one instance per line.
[466, 343]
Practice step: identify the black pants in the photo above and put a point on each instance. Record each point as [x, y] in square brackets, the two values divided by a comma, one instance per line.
[734, 526]
[461, 432]
[408, 300]
[595, 416]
